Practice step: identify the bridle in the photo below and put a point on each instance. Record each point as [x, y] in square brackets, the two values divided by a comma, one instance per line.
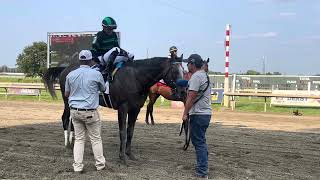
[172, 84]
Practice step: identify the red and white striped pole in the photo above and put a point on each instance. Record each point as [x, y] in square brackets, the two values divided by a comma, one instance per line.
[227, 55]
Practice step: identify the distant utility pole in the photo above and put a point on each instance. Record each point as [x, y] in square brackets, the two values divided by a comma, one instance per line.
[147, 53]
[263, 65]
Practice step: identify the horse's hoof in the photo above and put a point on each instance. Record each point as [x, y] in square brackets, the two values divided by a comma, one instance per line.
[147, 122]
[123, 159]
[69, 146]
[132, 157]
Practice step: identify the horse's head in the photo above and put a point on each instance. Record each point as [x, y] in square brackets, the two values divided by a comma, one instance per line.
[205, 65]
[173, 75]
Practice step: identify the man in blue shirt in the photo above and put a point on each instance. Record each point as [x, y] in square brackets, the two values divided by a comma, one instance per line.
[82, 89]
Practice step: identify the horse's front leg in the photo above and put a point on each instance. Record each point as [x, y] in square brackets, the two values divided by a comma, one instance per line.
[148, 112]
[122, 118]
[132, 117]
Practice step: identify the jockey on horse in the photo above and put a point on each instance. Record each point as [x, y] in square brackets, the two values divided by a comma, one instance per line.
[106, 50]
[164, 89]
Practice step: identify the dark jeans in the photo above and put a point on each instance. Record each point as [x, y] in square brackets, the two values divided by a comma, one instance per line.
[199, 125]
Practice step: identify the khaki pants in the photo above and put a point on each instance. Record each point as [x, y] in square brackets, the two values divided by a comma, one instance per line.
[87, 122]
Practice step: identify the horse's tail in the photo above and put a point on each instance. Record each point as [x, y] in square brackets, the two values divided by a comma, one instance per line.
[49, 78]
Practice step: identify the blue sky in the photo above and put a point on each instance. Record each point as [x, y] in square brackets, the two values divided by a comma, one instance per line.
[285, 32]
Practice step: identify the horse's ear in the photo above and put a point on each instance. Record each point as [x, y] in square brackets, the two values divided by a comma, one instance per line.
[177, 59]
[208, 60]
[181, 57]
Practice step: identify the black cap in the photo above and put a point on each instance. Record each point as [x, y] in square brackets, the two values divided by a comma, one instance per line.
[195, 59]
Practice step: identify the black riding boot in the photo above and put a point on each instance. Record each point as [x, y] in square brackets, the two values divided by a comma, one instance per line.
[109, 71]
[111, 59]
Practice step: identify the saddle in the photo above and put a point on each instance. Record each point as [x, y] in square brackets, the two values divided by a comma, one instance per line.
[117, 62]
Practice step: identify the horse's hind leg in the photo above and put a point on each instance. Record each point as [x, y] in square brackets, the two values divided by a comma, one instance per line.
[148, 112]
[152, 99]
[67, 127]
[151, 115]
[122, 121]
[132, 117]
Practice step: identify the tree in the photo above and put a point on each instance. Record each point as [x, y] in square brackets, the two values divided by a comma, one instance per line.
[276, 73]
[252, 72]
[32, 61]
[216, 73]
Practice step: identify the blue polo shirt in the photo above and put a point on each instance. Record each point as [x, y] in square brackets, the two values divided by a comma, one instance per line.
[84, 85]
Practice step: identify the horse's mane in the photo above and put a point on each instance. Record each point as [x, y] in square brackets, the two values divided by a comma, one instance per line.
[155, 61]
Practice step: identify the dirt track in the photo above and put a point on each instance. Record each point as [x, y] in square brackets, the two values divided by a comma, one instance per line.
[241, 146]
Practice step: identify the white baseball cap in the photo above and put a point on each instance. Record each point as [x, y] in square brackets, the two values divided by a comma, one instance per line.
[85, 55]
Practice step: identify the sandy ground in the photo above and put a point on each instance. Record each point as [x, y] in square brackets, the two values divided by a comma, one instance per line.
[241, 146]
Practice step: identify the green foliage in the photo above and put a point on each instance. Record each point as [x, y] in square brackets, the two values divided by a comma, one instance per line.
[274, 73]
[32, 61]
[252, 72]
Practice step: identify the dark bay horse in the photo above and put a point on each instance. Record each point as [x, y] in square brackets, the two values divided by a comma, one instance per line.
[161, 89]
[128, 92]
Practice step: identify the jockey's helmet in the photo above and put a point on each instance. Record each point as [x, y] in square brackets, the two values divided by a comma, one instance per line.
[173, 49]
[109, 22]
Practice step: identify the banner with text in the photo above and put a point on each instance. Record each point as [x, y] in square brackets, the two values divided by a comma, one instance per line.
[289, 101]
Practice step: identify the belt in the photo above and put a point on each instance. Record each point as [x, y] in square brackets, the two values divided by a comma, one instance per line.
[79, 109]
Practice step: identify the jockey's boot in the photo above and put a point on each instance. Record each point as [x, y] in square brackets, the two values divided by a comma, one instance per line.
[109, 67]
[108, 71]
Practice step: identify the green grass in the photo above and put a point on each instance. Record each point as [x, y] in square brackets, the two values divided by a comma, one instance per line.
[20, 80]
[244, 104]
[256, 104]
[45, 97]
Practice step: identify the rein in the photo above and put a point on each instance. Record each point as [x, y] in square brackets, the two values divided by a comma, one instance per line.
[171, 83]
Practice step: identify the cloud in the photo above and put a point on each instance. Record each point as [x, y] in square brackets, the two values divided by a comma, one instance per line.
[286, 14]
[257, 35]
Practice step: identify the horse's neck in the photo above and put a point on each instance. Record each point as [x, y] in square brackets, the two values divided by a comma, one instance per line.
[151, 73]
[151, 76]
